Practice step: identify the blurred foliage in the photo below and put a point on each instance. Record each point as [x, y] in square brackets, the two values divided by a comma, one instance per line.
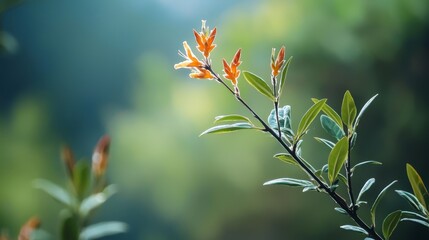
[107, 66]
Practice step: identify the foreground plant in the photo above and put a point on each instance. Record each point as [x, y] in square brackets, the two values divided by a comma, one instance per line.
[341, 128]
[88, 192]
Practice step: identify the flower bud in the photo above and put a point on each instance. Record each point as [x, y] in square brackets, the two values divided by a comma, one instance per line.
[28, 228]
[68, 159]
[100, 156]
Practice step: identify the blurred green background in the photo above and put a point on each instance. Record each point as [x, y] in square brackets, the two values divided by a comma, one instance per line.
[71, 71]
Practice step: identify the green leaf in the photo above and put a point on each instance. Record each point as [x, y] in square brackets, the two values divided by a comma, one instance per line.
[69, 225]
[259, 84]
[81, 178]
[287, 158]
[330, 112]
[413, 214]
[377, 201]
[326, 142]
[353, 140]
[419, 221]
[55, 191]
[284, 119]
[102, 229]
[348, 110]
[283, 76]
[309, 117]
[95, 200]
[412, 200]
[231, 117]
[228, 128]
[365, 188]
[340, 210]
[354, 228]
[337, 157]
[363, 110]
[418, 186]
[310, 188]
[40, 234]
[390, 223]
[331, 127]
[364, 163]
[290, 182]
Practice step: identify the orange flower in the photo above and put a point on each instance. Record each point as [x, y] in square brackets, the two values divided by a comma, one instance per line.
[231, 71]
[205, 40]
[100, 156]
[28, 228]
[201, 73]
[277, 64]
[191, 61]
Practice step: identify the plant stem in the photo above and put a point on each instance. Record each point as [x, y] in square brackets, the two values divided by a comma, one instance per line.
[349, 178]
[337, 198]
[276, 105]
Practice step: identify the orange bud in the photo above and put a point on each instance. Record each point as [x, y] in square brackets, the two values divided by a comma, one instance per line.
[100, 156]
[68, 159]
[28, 228]
[278, 63]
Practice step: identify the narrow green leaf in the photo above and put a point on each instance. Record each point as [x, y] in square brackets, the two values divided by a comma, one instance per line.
[353, 140]
[309, 117]
[259, 84]
[365, 188]
[310, 188]
[290, 182]
[337, 157]
[331, 127]
[343, 179]
[96, 200]
[69, 225]
[413, 214]
[287, 158]
[377, 201]
[348, 110]
[418, 186]
[340, 210]
[412, 200]
[364, 163]
[228, 128]
[363, 110]
[326, 142]
[102, 229]
[390, 223]
[231, 117]
[330, 112]
[81, 178]
[354, 228]
[419, 221]
[55, 191]
[283, 76]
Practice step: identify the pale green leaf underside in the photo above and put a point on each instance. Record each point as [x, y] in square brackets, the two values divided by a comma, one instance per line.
[228, 128]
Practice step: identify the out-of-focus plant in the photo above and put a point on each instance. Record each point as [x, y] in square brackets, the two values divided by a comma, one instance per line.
[342, 130]
[88, 191]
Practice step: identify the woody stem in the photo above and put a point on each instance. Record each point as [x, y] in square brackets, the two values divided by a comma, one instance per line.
[335, 197]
